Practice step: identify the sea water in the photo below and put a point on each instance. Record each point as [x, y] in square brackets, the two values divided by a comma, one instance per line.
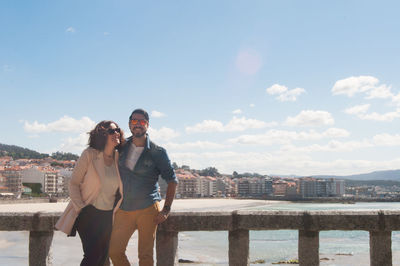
[339, 248]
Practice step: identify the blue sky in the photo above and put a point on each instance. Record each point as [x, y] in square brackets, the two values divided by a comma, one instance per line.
[274, 87]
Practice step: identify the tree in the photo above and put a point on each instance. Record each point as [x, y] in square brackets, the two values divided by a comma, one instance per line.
[64, 156]
[210, 171]
[185, 167]
[175, 165]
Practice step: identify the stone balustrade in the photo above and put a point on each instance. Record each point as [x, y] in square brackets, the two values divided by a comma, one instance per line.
[380, 225]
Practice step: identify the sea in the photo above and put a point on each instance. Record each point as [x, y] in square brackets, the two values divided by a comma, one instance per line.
[344, 248]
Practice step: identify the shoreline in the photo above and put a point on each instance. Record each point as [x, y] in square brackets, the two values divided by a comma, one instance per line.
[179, 205]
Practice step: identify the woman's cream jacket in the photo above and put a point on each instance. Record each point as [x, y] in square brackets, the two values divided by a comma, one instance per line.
[84, 186]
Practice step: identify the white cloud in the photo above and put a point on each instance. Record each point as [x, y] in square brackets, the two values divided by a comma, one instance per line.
[336, 133]
[352, 85]
[386, 117]
[248, 62]
[396, 99]
[284, 94]
[279, 137]
[64, 124]
[252, 105]
[193, 145]
[70, 30]
[311, 118]
[331, 146]
[386, 140]
[206, 126]
[106, 33]
[237, 111]
[380, 140]
[365, 84]
[380, 92]
[283, 163]
[357, 109]
[75, 145]
[361, 112]
[162, 134]
[157, 114]
[235, 124]
[240, 124]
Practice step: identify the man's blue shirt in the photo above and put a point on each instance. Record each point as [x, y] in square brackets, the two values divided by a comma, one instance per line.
[140, 185]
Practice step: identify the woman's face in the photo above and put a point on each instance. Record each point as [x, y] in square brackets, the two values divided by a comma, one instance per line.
[114, 135]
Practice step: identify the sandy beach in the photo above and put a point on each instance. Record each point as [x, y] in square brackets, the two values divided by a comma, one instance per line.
[179, 205]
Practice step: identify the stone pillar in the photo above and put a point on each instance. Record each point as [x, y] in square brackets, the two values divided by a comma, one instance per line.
[39, 247]
[239, 247]
[308, 248]
[380, 248]
[167, 248]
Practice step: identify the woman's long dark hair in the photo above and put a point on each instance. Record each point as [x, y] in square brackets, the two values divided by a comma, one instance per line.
[98, 136]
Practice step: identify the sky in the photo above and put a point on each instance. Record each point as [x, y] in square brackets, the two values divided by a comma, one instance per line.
[272, 87]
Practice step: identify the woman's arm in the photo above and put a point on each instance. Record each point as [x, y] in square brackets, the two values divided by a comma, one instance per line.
[78, 173]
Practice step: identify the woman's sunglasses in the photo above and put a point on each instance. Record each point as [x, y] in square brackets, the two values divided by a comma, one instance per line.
[142, 122]
[111, 131]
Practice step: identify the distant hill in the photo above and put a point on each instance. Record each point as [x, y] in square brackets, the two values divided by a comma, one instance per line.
[377, 175]
[17, 152]
[20, 153]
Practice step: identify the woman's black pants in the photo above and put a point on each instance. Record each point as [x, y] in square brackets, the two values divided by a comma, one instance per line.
[94, 227]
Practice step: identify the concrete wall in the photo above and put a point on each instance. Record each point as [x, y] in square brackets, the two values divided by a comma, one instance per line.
[238, 223]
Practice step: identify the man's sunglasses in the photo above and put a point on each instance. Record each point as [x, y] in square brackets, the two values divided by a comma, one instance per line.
[142, 122]
[111, 131]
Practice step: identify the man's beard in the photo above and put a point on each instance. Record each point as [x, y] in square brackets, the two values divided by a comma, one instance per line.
[139, 135]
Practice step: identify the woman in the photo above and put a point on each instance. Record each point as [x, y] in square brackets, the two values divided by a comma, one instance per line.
[93, 190]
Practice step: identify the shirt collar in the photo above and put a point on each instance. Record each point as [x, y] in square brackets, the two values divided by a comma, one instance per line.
[147, 145]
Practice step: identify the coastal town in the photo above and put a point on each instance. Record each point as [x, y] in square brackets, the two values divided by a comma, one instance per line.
[49, 177]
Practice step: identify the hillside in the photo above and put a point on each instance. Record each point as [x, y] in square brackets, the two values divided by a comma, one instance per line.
[23, 153]
[377, 175]
[20, 153]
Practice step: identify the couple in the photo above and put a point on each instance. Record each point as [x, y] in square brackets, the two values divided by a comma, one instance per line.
[112, 195]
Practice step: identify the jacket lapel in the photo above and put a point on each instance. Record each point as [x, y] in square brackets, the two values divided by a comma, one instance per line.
[98, 164]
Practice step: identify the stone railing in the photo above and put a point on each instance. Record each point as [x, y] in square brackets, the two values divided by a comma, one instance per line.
[380, 225]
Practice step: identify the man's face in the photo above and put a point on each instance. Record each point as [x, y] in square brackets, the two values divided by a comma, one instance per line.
[138, 125]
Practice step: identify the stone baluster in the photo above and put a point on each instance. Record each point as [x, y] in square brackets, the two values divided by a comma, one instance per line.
[167, 248]
[380, 248]
[239, 247]
[39, 247]
[308, 248]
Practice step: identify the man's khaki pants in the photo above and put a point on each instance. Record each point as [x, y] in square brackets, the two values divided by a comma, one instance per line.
[125, 224]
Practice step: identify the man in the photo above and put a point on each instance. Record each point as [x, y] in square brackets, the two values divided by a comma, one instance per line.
[140, 164]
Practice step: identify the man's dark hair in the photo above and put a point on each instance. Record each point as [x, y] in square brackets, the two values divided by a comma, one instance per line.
[140, 111]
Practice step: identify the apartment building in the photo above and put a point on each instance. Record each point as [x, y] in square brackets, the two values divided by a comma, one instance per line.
[51, 181]
[208, 186]
[189, 184]
[311, 187]
[254, 186]
[279, 188]
[3, 187]
[13, 179]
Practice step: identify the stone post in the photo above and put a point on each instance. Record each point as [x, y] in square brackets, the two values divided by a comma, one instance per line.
[39, 247]
[308, 248]
[167, 248]
[239, 247]
[380, 248]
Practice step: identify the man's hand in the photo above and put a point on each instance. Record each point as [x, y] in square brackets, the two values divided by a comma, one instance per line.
[161, 217]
